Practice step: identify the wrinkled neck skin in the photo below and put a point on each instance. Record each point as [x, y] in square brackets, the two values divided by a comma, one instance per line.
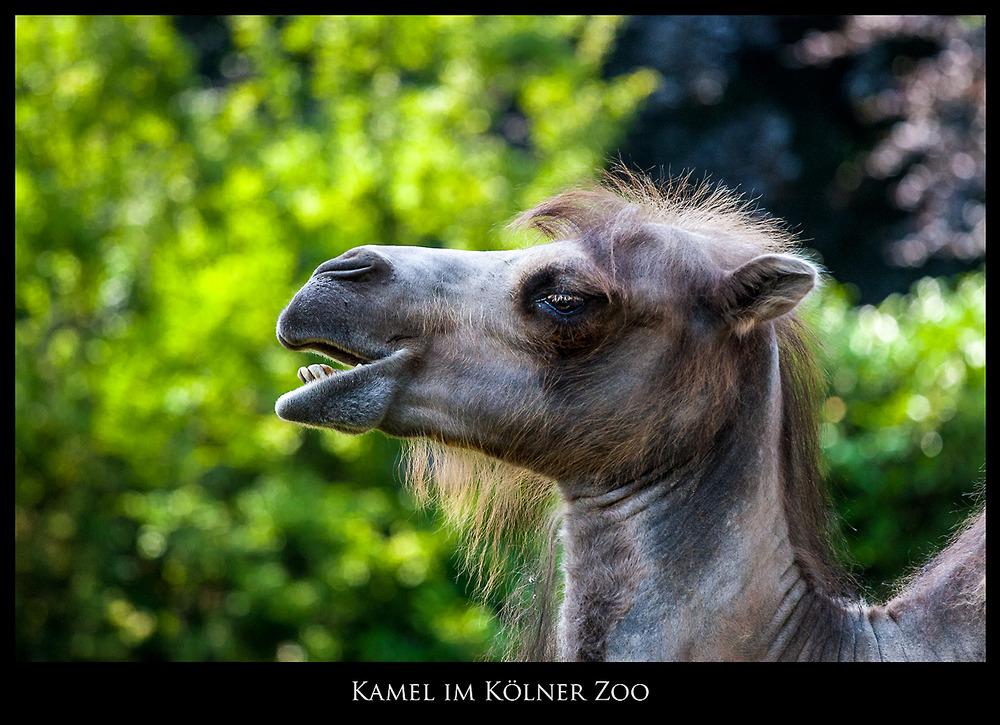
[667, 566]
[656, 571]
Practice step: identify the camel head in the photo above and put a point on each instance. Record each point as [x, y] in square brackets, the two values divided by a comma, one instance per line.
[610, 342]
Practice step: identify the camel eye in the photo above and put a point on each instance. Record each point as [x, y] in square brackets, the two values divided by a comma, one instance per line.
[563, 302]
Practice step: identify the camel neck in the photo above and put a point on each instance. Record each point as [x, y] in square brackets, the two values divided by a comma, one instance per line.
[697, 564]
[665, 570]
[686, 562]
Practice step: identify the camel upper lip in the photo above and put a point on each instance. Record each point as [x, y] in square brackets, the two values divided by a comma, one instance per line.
[330, 350]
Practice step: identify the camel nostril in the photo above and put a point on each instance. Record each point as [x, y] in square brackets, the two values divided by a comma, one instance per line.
[354, 264]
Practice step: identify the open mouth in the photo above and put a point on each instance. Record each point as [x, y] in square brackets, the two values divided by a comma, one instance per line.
[351, 400]
[318, 371]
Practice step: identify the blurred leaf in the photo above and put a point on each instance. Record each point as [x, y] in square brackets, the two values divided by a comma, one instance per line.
[904, 435]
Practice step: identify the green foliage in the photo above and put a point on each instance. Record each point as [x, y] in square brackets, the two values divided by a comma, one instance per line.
[904, 426]
[162, 511]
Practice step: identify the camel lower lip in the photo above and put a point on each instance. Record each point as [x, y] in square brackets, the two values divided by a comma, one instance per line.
[351, 401]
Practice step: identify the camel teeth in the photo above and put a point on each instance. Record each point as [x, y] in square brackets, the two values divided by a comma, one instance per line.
[315, 372]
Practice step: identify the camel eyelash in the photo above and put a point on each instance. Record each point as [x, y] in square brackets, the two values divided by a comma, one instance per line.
[562, 303]
[555, 291]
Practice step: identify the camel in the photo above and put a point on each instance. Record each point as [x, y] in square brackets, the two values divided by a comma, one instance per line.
[647, 364]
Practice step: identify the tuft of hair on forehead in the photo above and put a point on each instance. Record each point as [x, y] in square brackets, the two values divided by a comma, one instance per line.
[624, 201]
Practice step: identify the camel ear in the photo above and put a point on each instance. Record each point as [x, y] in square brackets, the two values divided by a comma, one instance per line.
[764, 288]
